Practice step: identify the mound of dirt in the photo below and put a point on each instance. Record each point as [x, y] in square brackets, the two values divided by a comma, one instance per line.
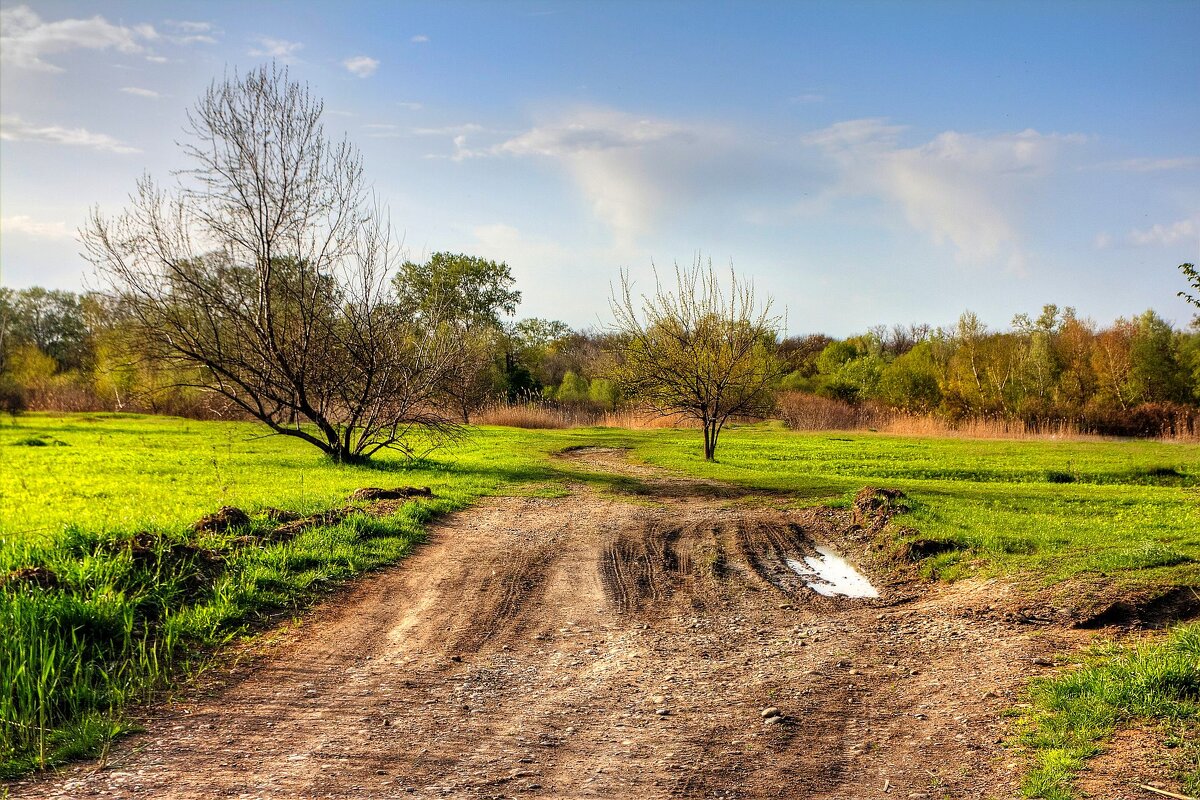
[874, 507]
[223, 519]
[1153, 609]
[398, 493]
[41, 577]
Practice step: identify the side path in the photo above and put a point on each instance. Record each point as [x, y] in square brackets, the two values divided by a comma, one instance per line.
[589, 646]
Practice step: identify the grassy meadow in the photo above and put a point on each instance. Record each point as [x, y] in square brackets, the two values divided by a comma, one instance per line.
[117, 595]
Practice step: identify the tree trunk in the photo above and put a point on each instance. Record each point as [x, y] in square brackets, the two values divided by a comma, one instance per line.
[710, 440]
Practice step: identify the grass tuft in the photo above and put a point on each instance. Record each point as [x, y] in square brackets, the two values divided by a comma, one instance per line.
[1072, 714]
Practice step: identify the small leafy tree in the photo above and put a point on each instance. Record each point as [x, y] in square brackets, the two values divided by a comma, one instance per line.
[266, 273]
[698, 351]
[469, 295]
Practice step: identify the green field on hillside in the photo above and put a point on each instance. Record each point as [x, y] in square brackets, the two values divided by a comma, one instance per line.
[114, 594]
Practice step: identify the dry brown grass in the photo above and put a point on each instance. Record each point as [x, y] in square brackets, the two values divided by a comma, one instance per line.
[807, 412]
[544, 416]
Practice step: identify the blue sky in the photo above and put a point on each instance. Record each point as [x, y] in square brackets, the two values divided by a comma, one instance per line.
[864, 163]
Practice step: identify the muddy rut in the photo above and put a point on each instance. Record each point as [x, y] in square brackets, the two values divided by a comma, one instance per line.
[600, 645]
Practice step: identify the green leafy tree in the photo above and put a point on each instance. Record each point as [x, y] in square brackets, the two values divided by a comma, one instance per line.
[1156, 374]
[910, 381]
[469, 296]
[454, 287]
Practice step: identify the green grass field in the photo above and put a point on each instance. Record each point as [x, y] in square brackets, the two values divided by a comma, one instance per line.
[120, 622]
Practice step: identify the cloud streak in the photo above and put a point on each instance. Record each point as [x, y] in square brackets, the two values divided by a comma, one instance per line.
[631, 170]
[28, 226]
[959, 190]
[1166, 235]
[15, 129]
[140, 92]
[269, 47]
[26, 40]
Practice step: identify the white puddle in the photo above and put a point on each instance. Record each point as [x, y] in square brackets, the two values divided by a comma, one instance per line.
[829, 574]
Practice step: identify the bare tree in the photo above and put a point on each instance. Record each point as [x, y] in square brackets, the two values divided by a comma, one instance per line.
[267, 270]
[698, 351]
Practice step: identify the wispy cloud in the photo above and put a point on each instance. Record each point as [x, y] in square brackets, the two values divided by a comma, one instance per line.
[383, 130]
[1152, 164]
[25, 39]
[185, 32]
[270, 47]
[420, 38]
[1185, 230]
[189, 26]
[28, 226]
[410, 106]
[958, 189]
[450, 130]
[362, 66]
[630, 169]
[17, 130]
[139, 92]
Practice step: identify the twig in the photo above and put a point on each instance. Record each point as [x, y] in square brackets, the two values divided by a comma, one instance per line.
[1165, 793]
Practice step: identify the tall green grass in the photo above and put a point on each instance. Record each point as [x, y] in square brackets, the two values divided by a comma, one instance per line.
[1071, 714]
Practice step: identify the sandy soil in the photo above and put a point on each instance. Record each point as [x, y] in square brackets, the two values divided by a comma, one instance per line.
[607, 645]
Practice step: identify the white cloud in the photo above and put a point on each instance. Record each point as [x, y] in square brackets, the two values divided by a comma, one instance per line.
[30, 227]
[25, 39]
[1103, 241]
[185, 32]
[958, 189]
[269, 47]
[509, 244]
[362, 66]
[382, 130]
[449, 130]
[17, 130]
[807, 97]
[1153, 164]
[139, 92]
[411, 106]
[420, 38]
[157, 59]
[1166, 235]
[628, 168]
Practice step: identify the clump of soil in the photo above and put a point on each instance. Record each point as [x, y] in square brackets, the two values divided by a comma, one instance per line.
[914, 550]
[280, 514]
[222, 520]
[41, 577]
[873, 507]
[397, 493]
[331, 517]
[1152, 609]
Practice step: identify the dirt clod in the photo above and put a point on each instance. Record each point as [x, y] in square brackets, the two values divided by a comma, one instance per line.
[223, 519]
[873, 507]
[39, 577]
[397, 493]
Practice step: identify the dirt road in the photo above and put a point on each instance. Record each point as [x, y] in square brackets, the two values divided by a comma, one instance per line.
[605, 645]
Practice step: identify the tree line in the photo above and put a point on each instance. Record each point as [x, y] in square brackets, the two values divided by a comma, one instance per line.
[61, 350]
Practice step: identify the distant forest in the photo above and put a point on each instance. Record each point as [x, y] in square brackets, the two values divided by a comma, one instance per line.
[1137, 376]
